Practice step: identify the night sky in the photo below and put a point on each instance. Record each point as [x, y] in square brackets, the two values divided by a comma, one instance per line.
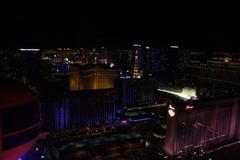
[120, 25]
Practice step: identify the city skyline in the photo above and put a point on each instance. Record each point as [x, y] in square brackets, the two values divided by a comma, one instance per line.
[119, 80]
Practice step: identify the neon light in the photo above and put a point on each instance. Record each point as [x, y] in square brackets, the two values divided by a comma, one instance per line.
[171, 113]
[174, 46]
[158, 136]
[29, 49]
[189, 107]
[112, 65]
[138, 120]
[124, 121]
[171, 107]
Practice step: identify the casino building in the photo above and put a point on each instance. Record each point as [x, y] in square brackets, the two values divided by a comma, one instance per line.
[78, 109]
[97, 77]
[19, 120]
[198, 125]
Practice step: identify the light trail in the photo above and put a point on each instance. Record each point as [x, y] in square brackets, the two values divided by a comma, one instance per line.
[182, 95]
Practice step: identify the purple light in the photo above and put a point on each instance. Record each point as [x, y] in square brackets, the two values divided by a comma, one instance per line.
[139, 120]
[124, 121]
[189, 107]
[119, 110]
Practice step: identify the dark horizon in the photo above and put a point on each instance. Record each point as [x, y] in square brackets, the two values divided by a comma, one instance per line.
[120, 25]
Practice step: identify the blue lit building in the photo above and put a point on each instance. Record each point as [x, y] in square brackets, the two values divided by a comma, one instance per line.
[149, 61]
[79, 109]
[133, 92]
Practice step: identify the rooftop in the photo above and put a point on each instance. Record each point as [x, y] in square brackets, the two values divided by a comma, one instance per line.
[13, 93]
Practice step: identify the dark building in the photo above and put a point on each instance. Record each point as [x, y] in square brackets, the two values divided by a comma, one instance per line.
[172, 63]
[30, 60]
[133, 92]
[19, 120]
[147, 61]
[79, 109]
[166, 63]
[199, 125]
[46, 69]
[123, 59]
[4, 63]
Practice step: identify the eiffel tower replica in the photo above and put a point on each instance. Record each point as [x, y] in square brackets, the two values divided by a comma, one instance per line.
[135, 69]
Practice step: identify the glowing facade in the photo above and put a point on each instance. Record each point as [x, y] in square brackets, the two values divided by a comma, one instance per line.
[79, 109]
[136, 72]
[200, 125]
[94, 78]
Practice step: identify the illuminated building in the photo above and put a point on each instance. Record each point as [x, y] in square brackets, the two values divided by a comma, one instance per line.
[136, 73]
[79, 109]
[222, 68]
[145, 113]
[137, 61]
[221, 71]
[19, 120]
[132, 92]
[92, 78]
[61, 59]
[164, 62]
[199, 125]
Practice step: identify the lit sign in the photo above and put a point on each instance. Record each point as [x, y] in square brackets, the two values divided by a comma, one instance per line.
[66, 59]
[189, 107]
[174, 47]
[137, 45]
[111, 64]
[139, 120]
[29, 49]
[158, 136]
[171, 111]
[124, 121]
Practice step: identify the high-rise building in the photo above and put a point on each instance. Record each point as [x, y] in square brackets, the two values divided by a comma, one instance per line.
[123, 60]
[30, 60]
[134, 92]
[92, 78]
[137, 61]
[225, 70]
[199, 125]
[151, 62]
[79, 109]
[216, 71]
[136, 72]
